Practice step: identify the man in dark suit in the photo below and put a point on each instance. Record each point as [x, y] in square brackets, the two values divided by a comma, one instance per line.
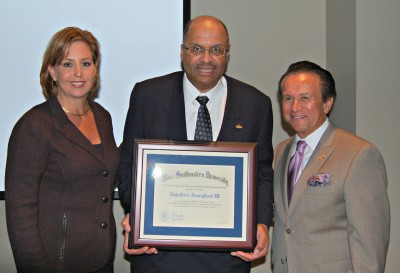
[166, 108]
[335, 216]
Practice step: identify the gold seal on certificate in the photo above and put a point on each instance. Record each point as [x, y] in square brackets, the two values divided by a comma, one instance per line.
[193, 195]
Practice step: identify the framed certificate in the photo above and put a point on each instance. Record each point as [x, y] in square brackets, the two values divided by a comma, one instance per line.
[193, 195]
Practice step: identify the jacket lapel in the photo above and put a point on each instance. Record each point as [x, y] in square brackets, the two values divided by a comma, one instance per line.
[106, 137]
[171, 120]
[282, 172]
[321, 154]
[233, 124]
[69, 130]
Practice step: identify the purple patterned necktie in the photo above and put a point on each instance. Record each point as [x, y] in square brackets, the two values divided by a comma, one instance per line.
[203, 130]
[294, 167]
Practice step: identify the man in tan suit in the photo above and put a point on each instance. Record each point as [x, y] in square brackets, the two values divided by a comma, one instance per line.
[333, 216]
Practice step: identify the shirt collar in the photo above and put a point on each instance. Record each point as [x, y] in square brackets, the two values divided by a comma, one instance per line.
[313, 138]
[191, 93]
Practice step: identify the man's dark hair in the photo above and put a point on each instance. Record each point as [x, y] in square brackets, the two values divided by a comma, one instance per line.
[327, 81]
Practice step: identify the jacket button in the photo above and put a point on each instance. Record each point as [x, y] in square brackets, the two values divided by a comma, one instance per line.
[104, 225]
[288, 231]
[105, 199]
[105, 173]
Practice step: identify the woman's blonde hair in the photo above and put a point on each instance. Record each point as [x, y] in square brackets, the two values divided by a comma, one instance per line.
[58, 48]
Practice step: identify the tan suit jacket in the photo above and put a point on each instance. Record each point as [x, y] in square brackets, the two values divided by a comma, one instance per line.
[340, 227]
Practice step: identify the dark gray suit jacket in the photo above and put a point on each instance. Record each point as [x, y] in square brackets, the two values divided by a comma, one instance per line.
[157, 111]
[58, 192]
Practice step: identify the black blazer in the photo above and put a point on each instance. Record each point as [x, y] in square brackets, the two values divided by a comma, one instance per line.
[157, 111]
[58, 192]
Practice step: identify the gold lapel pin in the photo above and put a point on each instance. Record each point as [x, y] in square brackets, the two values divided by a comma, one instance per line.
[322, 157]
[239, 126]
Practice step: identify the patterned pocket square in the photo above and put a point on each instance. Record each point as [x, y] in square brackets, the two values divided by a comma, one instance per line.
[322, 179]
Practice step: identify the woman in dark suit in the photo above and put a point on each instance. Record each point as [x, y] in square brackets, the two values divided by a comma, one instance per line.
[61, 167]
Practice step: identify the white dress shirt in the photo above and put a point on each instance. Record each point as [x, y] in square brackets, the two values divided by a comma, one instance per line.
[215, 105]
[312, 142]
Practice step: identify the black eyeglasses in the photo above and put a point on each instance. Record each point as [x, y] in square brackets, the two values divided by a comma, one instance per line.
[197, 50]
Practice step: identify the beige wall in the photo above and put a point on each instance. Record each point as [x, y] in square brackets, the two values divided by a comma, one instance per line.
[266, 36]
[378, 97]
